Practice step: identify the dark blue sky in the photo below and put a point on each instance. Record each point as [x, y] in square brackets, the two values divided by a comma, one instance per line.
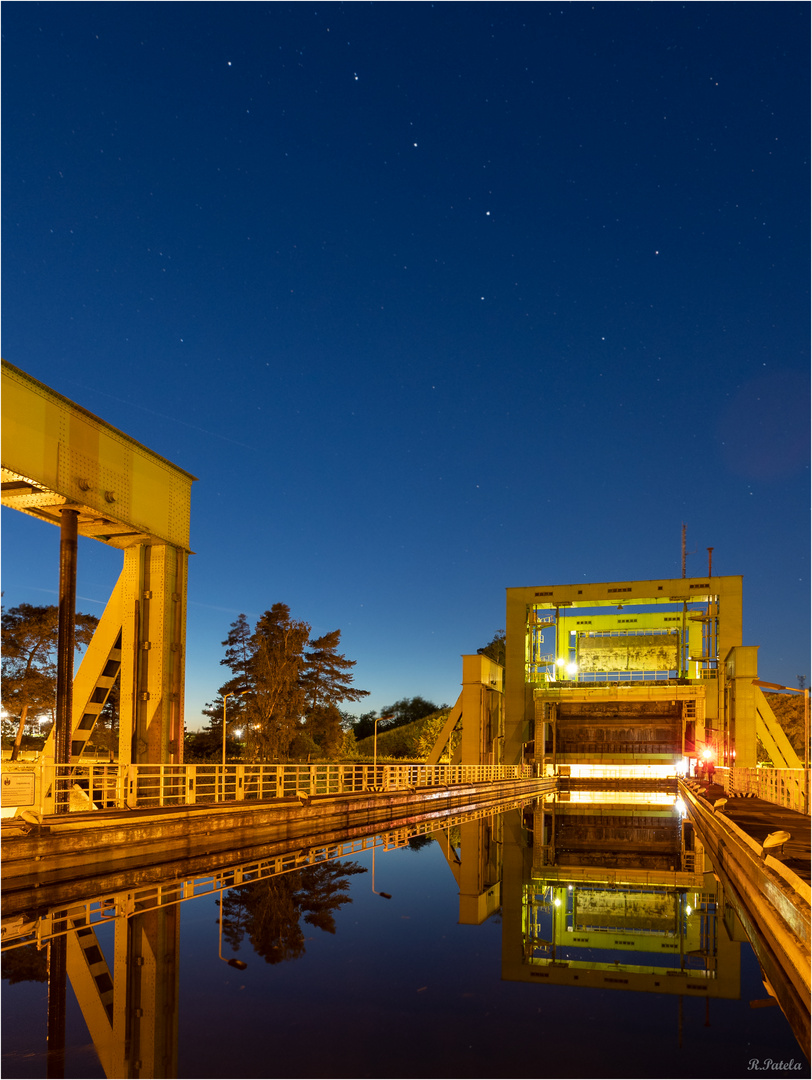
[435, 299]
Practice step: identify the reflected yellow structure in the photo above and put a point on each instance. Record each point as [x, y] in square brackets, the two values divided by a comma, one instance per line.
[614, 894]
[130, 1001]
[602, 890]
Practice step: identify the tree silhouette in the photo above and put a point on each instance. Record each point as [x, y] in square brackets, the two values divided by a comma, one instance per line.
[270, 912]
[30, 636]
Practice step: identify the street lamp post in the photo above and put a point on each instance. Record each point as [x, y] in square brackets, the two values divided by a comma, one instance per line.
[231, 693]
[388, 716]
[385, 895]
[375, 753]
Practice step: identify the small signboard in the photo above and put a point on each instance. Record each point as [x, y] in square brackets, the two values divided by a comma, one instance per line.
[18, 788]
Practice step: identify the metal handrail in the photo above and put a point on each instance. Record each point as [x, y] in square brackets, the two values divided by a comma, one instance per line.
[106, 786]
[784, 787]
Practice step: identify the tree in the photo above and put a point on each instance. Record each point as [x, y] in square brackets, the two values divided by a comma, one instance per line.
[789, 712]
[364, 725]
[269, 911]
[210, 747]
[429, 733]
[294, 688]
[238, 657]
[27, 964]
[495, 649]
[323, 725]
[30, 636]
[106, 728]
[239, 650]
[207, 745]
[407, 710]
[326, 681]
[277, 701]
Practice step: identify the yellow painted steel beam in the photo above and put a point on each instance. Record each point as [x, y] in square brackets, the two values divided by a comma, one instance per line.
[482, 722]
[741, 667]
[442, 739]
[103, 651]
[443, 838]
[93, 986]
[772, 736]
[145, 1015]
[153, 654]
[56, 454]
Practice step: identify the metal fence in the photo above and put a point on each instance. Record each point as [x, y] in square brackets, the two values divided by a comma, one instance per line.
[784, 787]
[105, 786]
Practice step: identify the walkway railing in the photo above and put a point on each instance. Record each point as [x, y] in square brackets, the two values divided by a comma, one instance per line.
[105, 786]
[784, 787]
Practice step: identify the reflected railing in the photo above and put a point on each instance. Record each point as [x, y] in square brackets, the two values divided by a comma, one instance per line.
[17, 930]
[628, 926]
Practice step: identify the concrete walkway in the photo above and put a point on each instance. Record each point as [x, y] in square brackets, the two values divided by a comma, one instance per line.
[759, 818]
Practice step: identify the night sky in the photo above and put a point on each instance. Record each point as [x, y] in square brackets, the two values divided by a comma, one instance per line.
[435, 299]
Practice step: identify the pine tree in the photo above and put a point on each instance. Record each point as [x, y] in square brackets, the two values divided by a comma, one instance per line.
[238, 656]
[239, 650]
[326, 681]
[277, 700]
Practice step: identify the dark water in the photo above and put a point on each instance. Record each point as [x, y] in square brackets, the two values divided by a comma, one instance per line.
[341, 982]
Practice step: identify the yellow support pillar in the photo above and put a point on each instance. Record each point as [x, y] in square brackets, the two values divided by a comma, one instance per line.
[482, 685]
[152, 654]
[741, 667]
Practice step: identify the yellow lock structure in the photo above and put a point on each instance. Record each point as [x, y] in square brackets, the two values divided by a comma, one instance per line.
[624, 675]
[65, 466]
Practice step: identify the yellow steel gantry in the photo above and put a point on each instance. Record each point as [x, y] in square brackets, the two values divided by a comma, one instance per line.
[633, 672]
[58, 457]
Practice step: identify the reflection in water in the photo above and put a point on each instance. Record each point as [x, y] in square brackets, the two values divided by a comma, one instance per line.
[269, 912]
[613, 894]
[596, 893]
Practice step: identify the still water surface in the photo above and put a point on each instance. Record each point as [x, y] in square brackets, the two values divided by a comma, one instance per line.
[343, 982]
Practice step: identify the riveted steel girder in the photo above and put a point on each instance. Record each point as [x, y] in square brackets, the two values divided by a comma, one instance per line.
[58, 457]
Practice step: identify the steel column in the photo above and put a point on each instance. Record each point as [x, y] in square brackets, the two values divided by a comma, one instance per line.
[68, 544]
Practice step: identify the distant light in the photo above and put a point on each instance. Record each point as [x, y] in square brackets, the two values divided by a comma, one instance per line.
[707, 754]
[681, 807]
[557, 902]
[571, 669]
[688, 909]
[238, 733]
[560, 662]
